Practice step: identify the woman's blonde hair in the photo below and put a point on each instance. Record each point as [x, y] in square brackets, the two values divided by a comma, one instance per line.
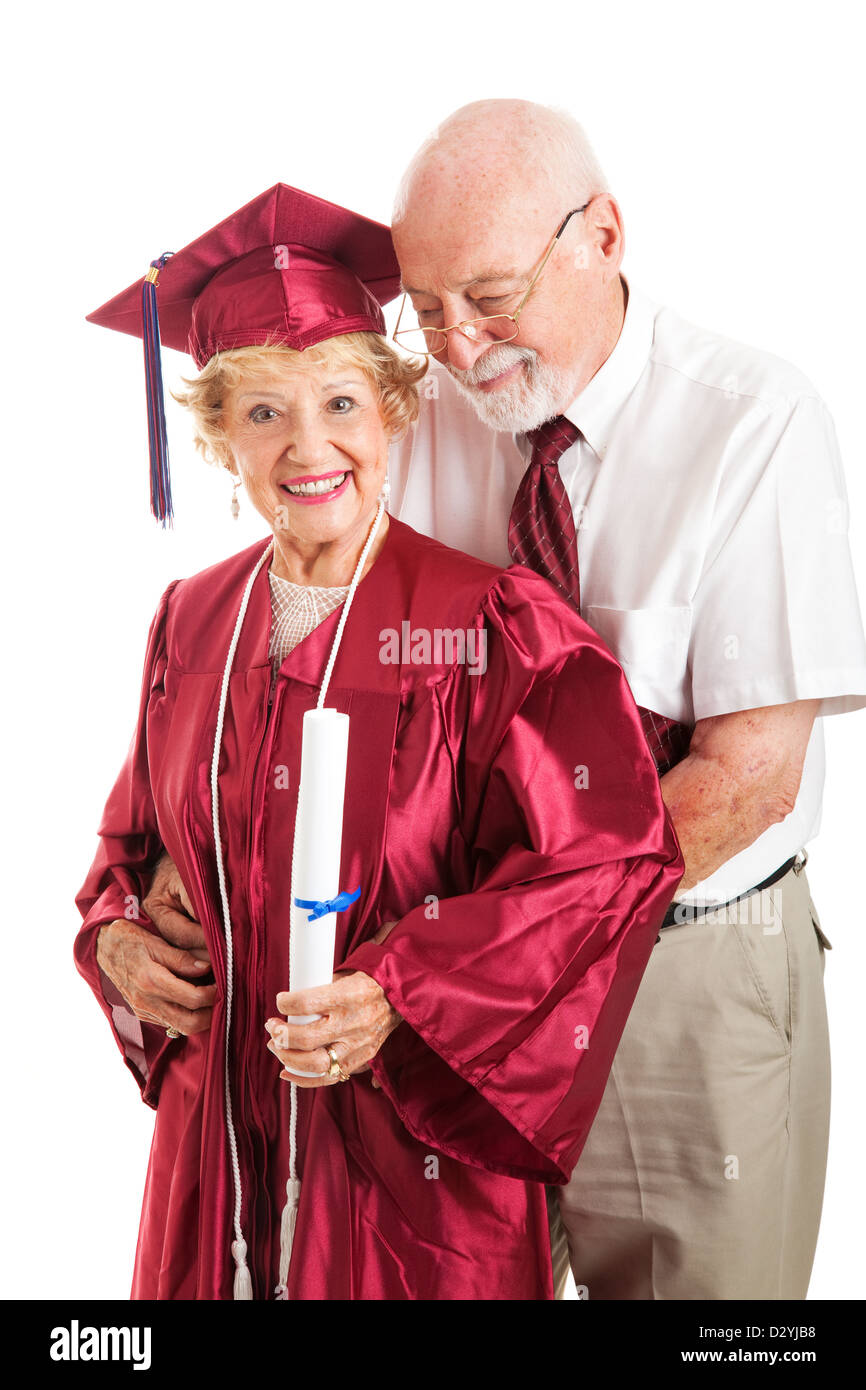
[393, 377]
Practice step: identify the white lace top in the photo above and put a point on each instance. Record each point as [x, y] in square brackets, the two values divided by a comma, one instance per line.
[297, 609]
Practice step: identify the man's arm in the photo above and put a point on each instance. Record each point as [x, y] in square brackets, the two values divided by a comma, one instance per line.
[741, 776]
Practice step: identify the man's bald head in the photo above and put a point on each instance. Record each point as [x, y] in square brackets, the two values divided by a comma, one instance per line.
[502, 150]
[476, 209]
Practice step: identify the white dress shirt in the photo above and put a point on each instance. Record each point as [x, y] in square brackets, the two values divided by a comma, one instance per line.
[712, 520]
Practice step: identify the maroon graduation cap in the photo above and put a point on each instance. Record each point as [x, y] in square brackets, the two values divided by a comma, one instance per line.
[287, 268]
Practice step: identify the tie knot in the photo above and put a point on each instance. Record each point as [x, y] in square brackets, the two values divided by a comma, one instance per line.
[550, 441]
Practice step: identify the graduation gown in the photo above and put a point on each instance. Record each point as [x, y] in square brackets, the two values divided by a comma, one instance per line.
[510, 820]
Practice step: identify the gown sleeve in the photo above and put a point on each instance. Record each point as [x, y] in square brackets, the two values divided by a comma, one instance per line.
[119, 877]
[514, 995]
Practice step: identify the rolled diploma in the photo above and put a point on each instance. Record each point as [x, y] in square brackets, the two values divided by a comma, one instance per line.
[318, 839]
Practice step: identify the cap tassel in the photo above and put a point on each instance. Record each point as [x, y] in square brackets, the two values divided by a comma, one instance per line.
[160, 478]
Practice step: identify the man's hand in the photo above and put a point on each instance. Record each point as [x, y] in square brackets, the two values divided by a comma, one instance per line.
[146, 970]
[171, 911]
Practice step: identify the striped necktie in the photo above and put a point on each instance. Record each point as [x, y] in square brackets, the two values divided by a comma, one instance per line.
[541, 530]
[542, 535]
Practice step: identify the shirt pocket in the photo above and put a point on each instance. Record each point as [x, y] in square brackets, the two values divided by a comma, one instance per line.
[652, 646]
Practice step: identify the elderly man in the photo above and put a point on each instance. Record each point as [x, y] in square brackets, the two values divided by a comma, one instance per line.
[685, 493]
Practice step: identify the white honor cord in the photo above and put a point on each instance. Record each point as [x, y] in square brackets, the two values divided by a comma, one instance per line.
[243, 1288]
[242, 1280]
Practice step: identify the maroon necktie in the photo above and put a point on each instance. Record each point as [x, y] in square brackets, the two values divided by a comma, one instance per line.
[542, 535]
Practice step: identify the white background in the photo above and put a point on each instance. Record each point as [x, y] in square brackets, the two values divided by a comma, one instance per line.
[732, 135]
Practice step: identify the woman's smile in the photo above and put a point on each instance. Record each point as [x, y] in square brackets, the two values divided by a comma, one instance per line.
[316, 488]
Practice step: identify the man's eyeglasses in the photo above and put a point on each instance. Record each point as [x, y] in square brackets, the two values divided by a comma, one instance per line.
[494, 328]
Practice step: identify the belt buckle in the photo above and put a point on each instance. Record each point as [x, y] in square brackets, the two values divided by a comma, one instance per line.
[800, 862]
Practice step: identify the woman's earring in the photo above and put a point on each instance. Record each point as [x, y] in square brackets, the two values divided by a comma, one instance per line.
[236, 506]
[385, 493]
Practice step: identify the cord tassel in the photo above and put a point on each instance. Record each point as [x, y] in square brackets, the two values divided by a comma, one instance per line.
[243, 1288]
[157, 435]
[288, 1221]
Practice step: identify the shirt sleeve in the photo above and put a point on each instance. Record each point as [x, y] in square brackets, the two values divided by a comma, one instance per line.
[119, 877]
[775, 614]
[514, 995]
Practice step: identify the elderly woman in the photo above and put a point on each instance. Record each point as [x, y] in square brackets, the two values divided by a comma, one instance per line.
[501, 808]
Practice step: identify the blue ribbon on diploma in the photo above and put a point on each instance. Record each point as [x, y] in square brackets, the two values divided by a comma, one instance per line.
[337, 904]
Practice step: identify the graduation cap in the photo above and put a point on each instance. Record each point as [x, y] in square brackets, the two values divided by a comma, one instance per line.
[287, 268]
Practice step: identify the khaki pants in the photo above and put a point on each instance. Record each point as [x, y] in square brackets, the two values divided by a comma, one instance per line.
[703, 1174]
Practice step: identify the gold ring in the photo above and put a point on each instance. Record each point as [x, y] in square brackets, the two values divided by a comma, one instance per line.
[172, 1033]
[335, 1072]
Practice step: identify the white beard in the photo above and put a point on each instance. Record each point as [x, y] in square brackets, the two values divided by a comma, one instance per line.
[538, 394]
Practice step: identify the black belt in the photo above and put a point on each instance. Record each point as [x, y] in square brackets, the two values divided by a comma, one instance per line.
[691, 913]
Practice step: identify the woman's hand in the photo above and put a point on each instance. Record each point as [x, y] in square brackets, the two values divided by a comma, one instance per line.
[145, 969]
[357, 1019]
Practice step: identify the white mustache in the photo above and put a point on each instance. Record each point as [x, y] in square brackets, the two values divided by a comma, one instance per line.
[493, 363]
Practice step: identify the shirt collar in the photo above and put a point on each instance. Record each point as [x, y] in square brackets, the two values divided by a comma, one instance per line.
[595, 410]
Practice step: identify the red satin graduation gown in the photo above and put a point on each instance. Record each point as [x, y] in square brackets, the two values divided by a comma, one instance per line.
[511, 821]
